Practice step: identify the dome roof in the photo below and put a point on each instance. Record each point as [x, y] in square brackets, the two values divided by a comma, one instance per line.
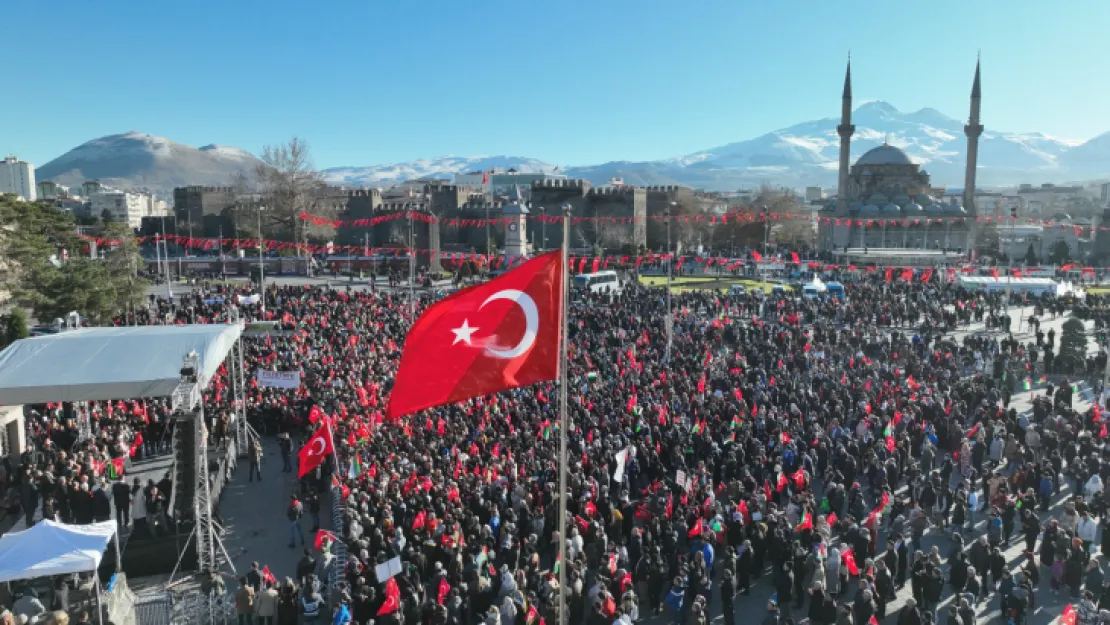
[891, 208]
[878, 199]
[913, 207]
[884, 155]
[869, 208]
[935, 208]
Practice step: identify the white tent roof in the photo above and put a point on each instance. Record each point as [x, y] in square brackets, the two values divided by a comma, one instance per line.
[51, 548]
[109, 363]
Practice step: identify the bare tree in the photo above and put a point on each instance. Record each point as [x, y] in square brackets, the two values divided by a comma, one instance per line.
[287, 179]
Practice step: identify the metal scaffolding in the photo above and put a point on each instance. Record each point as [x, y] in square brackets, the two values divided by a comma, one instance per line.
[245, 435]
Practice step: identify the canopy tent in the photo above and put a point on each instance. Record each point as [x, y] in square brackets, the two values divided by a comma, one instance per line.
[110, 363]
[51, 548]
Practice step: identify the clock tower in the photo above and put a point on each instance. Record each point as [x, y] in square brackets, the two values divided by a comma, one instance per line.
[516, 227]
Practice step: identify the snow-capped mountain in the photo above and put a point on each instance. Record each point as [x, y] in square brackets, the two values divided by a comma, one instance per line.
[807, 153]
[802, 154]
[442, 168]
[137, 160]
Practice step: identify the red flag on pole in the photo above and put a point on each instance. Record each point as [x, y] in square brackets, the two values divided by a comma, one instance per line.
[315, 450]
[392, 601]
[485, 339]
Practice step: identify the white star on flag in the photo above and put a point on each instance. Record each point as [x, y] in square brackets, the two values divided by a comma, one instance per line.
[463, 332]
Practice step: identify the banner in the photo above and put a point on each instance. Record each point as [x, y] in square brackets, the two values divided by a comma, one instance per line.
[278, 379]
[249, 300]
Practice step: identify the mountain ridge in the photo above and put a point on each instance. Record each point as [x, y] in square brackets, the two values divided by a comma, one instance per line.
[805, 153]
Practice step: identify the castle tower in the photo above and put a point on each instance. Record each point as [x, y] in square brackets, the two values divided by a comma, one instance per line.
[845, 130]
[972, 129]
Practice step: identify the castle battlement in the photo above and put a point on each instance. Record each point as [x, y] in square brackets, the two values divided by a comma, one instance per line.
[363, 193]
[560, 183]
[205, 189]
[612, 192]
[665, 188]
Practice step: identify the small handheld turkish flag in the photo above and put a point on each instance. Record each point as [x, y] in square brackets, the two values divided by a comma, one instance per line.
[315, 450]
[488, 338]
[392, 601]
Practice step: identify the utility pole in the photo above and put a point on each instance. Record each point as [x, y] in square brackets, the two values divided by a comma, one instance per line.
[412, 271]
[223, 273]
[670, 260]
[261, 264]
[766, 236]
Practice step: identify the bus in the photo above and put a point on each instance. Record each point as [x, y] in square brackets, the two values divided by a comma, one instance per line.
[600, 282]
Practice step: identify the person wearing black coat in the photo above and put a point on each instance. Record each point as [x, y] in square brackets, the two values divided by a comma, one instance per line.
[102, 504]
[121, 496]
[910, 614]
[784, 587]
[816, 610]
[863, 608]
[728, 593]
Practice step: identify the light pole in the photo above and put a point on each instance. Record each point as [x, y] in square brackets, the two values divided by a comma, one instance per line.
[166, 269]
[543, 228]
[412, 272]
[261, 264]
[766, 236]
[669, 259]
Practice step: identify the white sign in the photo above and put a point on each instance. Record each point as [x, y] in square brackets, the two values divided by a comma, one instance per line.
[278, 379]
[249, 300]
[622, 458]
[388, 569]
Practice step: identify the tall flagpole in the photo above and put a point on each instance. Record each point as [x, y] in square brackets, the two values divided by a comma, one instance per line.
[562, 526]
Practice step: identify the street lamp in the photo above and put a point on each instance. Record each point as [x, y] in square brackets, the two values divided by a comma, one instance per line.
[543, 227]
[261, 264]
[670, 320]
[766, 236]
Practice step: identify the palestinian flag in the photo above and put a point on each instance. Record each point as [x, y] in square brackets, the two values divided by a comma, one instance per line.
[545, 429]
[1042, 380]
[1027, 383]
[806, 524]
[323, 540]
[558, 565]
[697, 428]
[591, 375]
[532, 616]
[737, 422]
[115, 469]
[355, 469]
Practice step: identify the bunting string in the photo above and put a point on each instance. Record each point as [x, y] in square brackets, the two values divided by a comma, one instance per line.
[344, 253]
[726, 218]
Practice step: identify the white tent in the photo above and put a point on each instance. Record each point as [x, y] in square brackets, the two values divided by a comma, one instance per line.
[51, 548]
[110, 363]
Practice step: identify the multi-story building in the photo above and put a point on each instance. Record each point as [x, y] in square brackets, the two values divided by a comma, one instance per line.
[126, 207]
[18, 177]
[50, 190]
[1104, 195]
[205, 209]
[90, 188]
[1050, 199]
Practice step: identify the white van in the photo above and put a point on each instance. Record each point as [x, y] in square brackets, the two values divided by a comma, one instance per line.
[600, 282]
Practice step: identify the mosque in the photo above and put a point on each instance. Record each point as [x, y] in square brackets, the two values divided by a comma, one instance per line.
[885, 202]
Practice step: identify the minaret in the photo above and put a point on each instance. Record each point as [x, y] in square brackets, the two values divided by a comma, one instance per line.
[845, 130]
[972, 129]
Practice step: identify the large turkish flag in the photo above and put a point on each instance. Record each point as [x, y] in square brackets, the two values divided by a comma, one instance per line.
[487, 338]
[316, 450]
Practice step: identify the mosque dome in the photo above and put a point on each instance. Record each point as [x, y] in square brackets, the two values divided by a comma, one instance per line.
[913, 207]
[891, 208]
[878, 199]
[869, 208]
[885, 154]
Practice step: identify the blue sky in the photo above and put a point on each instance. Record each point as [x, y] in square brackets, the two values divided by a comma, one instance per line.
[572, 82]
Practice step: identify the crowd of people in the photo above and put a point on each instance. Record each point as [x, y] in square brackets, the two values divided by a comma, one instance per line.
[830, 450]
